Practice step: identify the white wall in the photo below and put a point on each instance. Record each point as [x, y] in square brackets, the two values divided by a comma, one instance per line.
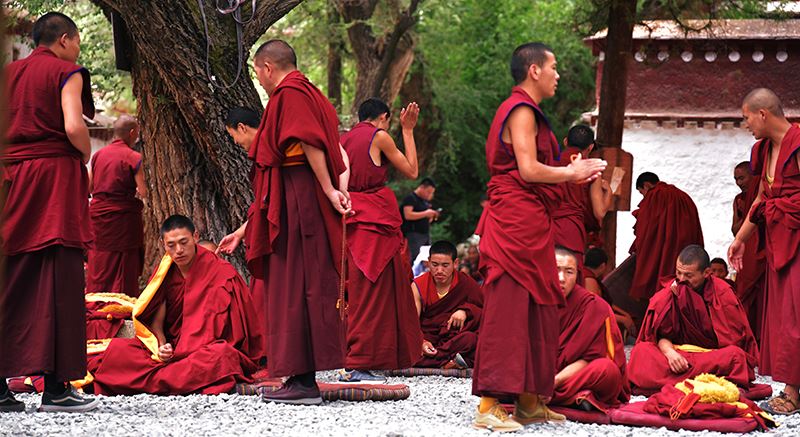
[698, 161]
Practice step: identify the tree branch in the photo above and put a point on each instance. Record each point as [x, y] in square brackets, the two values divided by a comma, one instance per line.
[404, 22]
[267, 13]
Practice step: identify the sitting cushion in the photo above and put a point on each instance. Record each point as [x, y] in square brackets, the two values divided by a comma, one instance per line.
[582, 416]
[757, 392]
[338, 391]
[634, 415]
[421, 371]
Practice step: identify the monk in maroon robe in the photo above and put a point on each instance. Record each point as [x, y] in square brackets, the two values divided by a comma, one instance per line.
[383, 329]
[694, 325]
[666, 222]
[196, 328]
[449, 304]
[294, 228]
[45, 225]
[776, 210]
[518, 341]
[116, 178]
[591, 354]
[569, 229]
[750, 278]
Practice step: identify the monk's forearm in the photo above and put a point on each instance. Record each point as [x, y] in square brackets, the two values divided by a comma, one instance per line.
[665, 346]
[536, 172]
[568, 372]
[344, 178]
[157, 325]
[410, 146]
[240, 232]
[316, 159]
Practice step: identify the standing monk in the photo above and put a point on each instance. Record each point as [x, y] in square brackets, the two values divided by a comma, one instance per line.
[46, 218]
[518, 341]
[666, 222]
[750, 279]
[777, 209]
[115, 178]
[382, 326]
[569, 230]
[294, 229]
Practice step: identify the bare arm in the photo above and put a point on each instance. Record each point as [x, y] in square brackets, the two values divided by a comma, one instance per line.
[410, 214]
[601, 197]
[316, 159]
[157, 325]
[417, 298]
[406, 164]
[91, 180]
[71, 105]
[736, 249]
[593, 286]
[141, 188]
[569, 371]
[344, 178]
[522, 128]
[230, 242]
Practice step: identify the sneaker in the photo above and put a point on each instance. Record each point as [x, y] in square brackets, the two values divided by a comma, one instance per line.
[539, 414]
[9, 404]
[294, 393]
[68, 402]
[496, 419]
[360, 377]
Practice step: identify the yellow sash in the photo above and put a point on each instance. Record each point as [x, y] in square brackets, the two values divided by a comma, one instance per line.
[142, 331]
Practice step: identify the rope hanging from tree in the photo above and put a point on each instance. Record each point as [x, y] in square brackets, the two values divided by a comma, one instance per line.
[234, 9]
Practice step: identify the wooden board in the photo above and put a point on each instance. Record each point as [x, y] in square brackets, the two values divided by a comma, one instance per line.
[619, 175]
[619, 282]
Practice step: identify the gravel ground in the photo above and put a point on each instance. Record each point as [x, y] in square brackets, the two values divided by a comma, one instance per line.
[437, 407]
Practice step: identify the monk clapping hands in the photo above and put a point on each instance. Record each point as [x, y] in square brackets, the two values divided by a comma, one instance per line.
[586, 169]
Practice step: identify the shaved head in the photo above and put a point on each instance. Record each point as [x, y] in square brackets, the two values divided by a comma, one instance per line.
[744, 165]
[526, 55]
[763, 98]
[126, 128]
[51, 26]
[278, 53]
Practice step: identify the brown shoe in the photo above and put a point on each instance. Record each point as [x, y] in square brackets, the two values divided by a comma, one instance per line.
[294, 393]
[539, 414]
[496, 419]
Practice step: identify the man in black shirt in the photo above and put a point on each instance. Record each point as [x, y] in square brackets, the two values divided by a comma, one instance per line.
[418, 215]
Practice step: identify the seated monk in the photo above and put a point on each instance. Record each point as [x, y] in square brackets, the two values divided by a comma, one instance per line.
[595, 267]
[719, 268]
[449, 305]
[591, 354]
[196, 331]
[694, 325]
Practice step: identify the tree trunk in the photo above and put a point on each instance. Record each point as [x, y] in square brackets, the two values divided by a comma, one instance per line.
[614, 81]
[383, 61]
[427, 133]
[335, 49]
[191, 165]
[613, 89]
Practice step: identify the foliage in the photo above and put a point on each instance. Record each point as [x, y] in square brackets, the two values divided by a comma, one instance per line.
[111, 86]
[467, 46]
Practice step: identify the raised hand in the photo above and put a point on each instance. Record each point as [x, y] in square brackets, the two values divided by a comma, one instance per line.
[409, 116]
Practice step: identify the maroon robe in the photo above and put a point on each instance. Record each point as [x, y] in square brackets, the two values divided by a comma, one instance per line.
[210, 323]
[45, 224]
[117, 258]
[382, 326]
[712, 320]
[465, 294]
[518, 342]
[779, 216]
[666, 222]
[293, 234]
[750, 279]
[589, 332]
[569, 229]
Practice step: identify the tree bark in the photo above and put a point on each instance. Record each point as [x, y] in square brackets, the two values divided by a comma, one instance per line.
[427, 133]
[613, 89]
[191, 165]
[382, 61]
[614, 81]
[335, 50]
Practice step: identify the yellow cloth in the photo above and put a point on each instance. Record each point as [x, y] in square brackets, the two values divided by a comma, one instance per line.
[690, 348]
[119, 298]
[711, 388]
[143, 333]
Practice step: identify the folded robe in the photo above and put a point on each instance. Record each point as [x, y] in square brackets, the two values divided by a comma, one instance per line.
[210, 323]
